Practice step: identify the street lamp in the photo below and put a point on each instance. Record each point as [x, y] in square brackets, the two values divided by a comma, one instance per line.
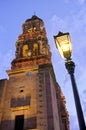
[63, 44]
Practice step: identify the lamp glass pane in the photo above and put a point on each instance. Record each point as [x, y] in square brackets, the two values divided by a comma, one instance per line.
[64, 46]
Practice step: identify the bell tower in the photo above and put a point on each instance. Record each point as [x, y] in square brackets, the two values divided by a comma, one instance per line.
[31, 99]
[32, 45]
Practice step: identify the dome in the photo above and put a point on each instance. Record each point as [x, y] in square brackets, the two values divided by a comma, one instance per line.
[34, 17]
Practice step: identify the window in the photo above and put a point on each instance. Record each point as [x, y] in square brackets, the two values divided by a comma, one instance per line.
[35, 49]
[25, 50]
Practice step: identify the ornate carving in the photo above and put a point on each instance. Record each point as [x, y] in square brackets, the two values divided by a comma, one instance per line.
[19, 102]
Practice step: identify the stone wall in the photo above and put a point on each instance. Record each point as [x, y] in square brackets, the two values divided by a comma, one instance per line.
[20, 99]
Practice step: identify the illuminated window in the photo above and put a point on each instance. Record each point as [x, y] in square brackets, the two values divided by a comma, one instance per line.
[34, 29]
[35, 49]
[25, 50]
[29, 29]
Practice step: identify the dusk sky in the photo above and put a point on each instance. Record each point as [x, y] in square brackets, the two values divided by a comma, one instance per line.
[58, 15]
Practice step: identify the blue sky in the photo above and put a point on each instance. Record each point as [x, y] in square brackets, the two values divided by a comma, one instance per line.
[58, 15]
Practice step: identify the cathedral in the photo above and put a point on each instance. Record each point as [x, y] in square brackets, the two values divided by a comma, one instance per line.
[31, 99]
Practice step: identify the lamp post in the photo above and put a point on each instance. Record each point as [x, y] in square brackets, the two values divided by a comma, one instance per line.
[63, 43]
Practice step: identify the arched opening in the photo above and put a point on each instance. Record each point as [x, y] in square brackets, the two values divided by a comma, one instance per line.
[35, 49]
[25, 50]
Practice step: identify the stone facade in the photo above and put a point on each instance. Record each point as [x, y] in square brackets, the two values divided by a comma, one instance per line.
[31, 99]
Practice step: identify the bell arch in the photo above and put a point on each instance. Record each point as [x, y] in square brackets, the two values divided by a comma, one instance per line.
[25, 50]
[35, 49]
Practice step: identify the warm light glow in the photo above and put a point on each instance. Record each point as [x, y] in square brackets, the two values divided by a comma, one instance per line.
[25, 50]
[29, 53]
[64, 45]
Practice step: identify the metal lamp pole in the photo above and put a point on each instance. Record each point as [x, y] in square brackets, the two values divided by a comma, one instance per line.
[70, 66]
[63, 44]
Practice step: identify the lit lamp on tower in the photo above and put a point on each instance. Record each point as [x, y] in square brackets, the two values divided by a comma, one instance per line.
[63, 44]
